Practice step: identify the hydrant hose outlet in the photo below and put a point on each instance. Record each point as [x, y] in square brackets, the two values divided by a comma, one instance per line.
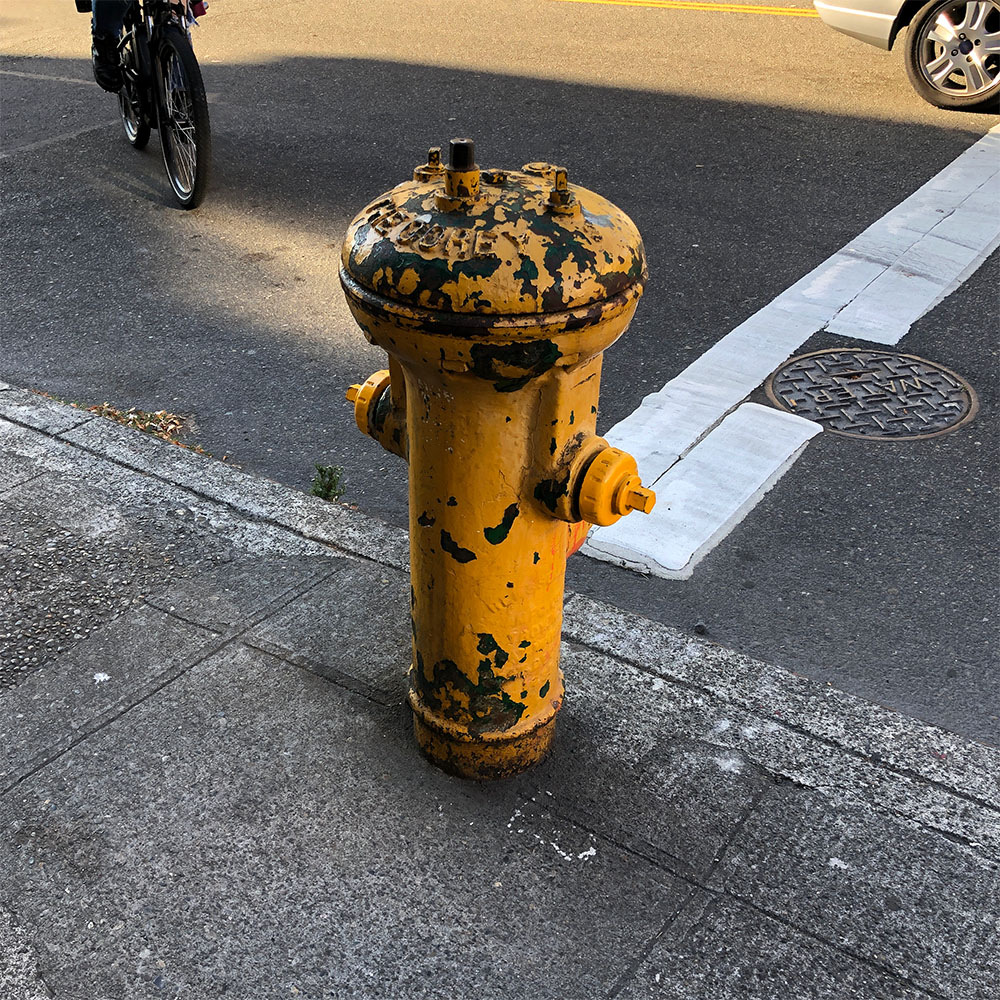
[495, 294]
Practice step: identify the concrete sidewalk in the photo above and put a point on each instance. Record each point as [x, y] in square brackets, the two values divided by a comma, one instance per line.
[209, 787]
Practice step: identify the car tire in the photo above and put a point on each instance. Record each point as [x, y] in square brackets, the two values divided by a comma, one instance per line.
[955, 64]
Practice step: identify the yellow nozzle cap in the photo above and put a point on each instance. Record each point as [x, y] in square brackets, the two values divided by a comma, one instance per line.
[611, 488]
[365, 396]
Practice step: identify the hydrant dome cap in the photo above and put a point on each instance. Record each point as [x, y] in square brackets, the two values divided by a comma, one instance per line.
[527, 242]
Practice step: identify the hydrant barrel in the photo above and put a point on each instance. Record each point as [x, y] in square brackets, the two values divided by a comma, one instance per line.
[495, 294]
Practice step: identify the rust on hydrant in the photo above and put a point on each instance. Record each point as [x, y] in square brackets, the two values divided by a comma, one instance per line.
[494, 294]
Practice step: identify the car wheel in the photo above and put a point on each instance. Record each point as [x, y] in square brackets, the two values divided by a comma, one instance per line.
[953, 54]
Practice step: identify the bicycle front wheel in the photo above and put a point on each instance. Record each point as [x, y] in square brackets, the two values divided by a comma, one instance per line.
[185, 134]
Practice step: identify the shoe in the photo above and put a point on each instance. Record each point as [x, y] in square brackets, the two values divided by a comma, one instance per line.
[104, 57]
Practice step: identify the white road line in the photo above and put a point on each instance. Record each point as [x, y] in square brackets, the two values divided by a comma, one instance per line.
[702, 498]
[874, 288]
[52, 139]
[945, 231]
[88, 81]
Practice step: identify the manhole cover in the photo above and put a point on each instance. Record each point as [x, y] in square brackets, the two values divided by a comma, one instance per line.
[873, 394]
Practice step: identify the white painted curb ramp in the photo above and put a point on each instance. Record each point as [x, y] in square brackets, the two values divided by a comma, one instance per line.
[703, 497]
[873, 289]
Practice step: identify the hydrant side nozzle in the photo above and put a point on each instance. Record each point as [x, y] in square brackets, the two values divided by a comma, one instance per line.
[365, 396]
[379, 413]
[611, 488]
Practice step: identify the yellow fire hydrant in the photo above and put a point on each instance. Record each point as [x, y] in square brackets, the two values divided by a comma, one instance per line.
[495, 294]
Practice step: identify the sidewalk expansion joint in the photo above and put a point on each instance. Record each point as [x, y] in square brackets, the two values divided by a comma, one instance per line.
[657, 861]
[8, 490]
[276, 604]
[755, 797]
[982, 854]
[633, 967]
[164, 679]
[859, 957]
[703, 885]
[342, 680]
[898, 769]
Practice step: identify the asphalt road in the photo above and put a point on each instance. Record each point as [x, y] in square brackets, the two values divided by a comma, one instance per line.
[747, 148]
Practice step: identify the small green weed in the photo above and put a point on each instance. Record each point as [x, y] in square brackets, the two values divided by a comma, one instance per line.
[326, 483]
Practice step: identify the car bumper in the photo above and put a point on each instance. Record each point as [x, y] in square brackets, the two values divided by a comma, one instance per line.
[872, 21]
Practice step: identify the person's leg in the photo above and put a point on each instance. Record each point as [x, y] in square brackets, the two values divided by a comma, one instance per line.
[108, 16]
[106, 25]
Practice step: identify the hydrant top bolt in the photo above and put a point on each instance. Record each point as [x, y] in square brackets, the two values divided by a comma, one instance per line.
[461, 154]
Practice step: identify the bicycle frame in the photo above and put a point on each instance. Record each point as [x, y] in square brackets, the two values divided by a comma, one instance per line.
[148, 19]
[158, 14]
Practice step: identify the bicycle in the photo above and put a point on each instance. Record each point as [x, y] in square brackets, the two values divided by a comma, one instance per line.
[162, 89]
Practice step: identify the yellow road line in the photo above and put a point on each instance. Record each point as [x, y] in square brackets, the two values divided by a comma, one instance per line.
[724, 8]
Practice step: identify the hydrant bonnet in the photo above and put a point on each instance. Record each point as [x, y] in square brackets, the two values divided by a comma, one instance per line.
[460, 246]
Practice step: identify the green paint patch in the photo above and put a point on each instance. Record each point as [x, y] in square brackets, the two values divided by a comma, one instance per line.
[498, 534]
[543, 690]
[550, 491]
[380, 413]
[488, 645]
[498, 363]
[481, 704]
[527, 274]
[425, 520]
[455, 550]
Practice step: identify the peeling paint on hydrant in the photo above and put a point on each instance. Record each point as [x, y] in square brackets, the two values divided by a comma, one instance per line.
[495, 294]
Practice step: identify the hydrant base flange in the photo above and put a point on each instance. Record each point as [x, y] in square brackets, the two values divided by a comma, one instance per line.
[483, 760]
[480, 757]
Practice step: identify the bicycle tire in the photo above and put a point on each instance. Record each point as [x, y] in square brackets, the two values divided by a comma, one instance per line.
[135, 116]
[185, 133]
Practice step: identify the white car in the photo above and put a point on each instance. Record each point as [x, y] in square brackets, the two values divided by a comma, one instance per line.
[952, 48]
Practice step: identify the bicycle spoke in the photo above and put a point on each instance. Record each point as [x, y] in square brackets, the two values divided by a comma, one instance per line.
[180, 127]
